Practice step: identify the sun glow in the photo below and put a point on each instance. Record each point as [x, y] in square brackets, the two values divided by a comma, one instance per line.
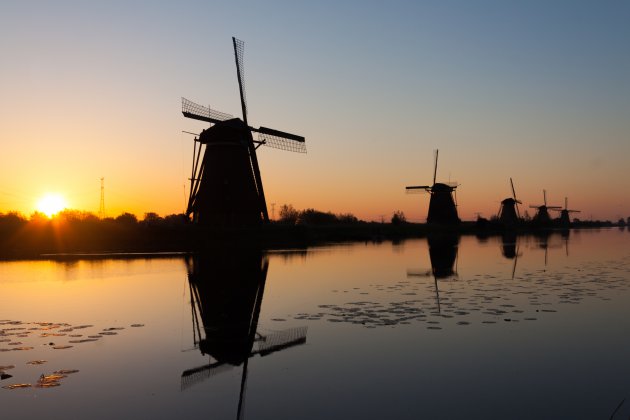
[51, 204]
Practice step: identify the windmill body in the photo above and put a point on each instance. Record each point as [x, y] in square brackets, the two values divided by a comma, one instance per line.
[542, 216]
[565, 218]
[227, 193]
[508, 213]
[442, 205]
[226, 187]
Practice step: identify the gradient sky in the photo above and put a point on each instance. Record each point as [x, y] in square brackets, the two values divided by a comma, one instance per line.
[534, 90]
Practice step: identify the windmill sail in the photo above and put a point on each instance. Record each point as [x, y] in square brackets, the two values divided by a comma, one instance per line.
[195, 111]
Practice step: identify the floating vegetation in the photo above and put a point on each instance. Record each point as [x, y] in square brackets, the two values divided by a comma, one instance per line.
[47, 384]
[17, 386]
[65, 371]
[482, 299]
[137, 325]
[10, 328]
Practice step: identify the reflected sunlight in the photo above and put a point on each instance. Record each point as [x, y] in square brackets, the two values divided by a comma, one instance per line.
[51, 204]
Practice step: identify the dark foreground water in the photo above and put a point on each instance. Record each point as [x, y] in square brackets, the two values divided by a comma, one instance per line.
[438, 328]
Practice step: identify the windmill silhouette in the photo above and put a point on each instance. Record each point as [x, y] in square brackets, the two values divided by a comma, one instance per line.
[226, 290]
[226, 186]
[565, 220]
[508, 212]
[542, 214]
[442, 205]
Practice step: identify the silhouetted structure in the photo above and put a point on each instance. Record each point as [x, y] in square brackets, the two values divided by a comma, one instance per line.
[443, 255]
[442, 205]
[226, 289]
[508, 212]
[565, 220]
[226, 186]
[542, 214]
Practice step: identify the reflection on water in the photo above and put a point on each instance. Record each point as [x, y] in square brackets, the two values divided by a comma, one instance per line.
[483, 298]
[441, 327]
[226, 289]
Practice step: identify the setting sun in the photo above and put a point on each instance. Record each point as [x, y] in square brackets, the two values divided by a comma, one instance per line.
[51, 204]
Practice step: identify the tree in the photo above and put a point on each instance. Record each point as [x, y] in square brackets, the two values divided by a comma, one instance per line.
[127, 218]
[398, 218]
[288, 214]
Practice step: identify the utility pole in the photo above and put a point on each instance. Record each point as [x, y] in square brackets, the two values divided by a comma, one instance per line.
[101, 208]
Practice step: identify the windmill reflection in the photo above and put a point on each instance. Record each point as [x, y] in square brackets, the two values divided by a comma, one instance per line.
[510, 249]
[443, 255]
[226, 289]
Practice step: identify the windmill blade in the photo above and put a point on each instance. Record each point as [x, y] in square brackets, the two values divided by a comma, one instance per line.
[199, 374]
[435, 166]
[239, 51]
[281, 340]
[281, 140]
[513, 190]
[195, 111]
[418, 189]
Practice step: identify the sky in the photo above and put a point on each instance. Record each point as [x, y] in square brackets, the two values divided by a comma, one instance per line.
[538, 91]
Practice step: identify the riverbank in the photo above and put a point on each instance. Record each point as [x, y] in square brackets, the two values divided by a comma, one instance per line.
[86, 238]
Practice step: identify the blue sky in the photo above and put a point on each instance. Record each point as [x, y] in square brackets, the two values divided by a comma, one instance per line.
[537, 90]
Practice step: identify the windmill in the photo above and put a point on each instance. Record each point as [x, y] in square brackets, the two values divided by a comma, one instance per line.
[508, 212]
[226, 186]
[565, 220]
[226, 291]
[442, 205]
[542, 214]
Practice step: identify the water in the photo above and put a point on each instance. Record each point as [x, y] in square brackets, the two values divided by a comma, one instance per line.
[527, 327]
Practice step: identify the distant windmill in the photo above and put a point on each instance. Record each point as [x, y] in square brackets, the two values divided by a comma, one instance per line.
[565, 220]
[442, 205]
[542, 213]
[226, 186]
[508, 212]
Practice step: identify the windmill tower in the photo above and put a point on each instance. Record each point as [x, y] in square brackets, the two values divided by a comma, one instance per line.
[542, 214]
[226, 186]
[565, 220]
[508, 212]
[442, 205]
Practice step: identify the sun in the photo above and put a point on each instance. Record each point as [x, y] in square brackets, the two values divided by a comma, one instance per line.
[51, 204]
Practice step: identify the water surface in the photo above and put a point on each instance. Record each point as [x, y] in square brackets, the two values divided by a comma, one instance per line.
[445, 327]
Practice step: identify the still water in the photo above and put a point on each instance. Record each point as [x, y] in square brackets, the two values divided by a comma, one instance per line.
[440, 328]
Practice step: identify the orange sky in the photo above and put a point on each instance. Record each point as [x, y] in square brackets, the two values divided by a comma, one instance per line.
[94, 91]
